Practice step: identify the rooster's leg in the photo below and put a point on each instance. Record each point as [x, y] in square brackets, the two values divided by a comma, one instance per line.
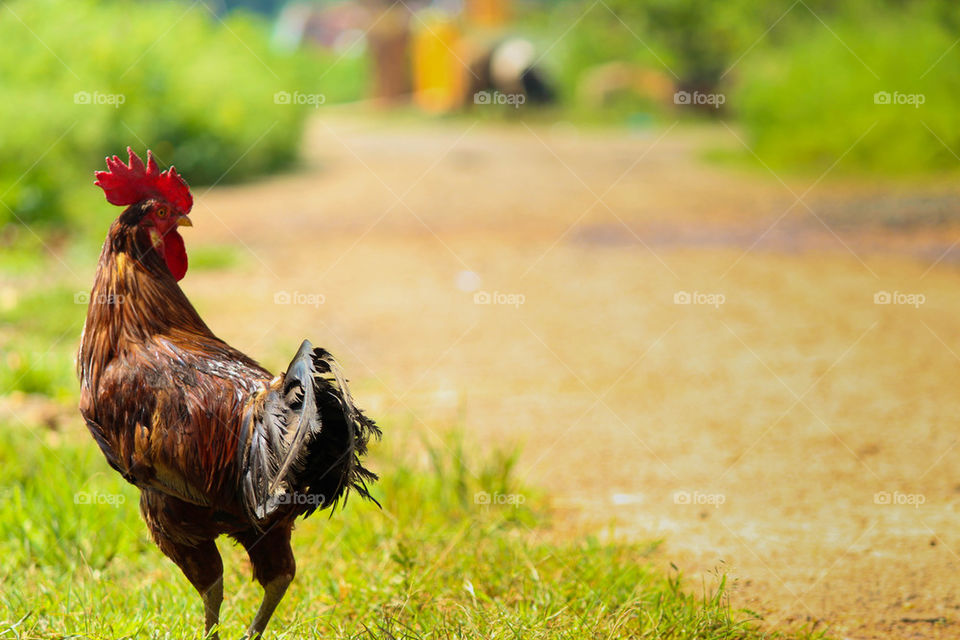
[200, 561]
[204, 569]
[273, 567]
[212, 599]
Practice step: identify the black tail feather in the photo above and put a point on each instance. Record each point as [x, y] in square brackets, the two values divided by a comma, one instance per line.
[303, 444]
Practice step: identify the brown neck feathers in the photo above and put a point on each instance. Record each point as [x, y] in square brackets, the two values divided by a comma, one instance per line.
[134, 298]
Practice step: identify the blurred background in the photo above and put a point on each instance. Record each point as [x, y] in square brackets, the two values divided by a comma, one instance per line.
[203, 82]
[694, 261]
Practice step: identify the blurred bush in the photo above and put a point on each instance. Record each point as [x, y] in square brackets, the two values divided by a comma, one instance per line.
[692, 44]
[83, 79]
[805, 101]
[800, 77]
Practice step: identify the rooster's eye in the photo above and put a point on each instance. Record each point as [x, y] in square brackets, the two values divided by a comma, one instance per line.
[161, 213]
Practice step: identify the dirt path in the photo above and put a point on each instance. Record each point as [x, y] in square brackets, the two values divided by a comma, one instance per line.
[797, 435]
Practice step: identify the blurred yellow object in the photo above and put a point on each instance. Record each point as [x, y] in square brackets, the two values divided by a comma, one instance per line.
[438, 73]
[488, 13]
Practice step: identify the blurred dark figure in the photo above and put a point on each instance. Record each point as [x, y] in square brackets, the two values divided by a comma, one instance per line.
[511, 66]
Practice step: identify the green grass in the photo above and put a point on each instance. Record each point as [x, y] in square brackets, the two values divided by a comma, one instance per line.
[39, 330]
[76, 561]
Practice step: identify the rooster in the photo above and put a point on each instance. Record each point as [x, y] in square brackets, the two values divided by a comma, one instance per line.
[214, 442]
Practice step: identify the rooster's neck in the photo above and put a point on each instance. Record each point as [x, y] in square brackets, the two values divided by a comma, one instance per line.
[134, 298]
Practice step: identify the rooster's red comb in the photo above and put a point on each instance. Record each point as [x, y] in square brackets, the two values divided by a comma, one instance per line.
[126, 184]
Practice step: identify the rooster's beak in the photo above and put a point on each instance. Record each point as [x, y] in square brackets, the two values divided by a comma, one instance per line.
[184, 221]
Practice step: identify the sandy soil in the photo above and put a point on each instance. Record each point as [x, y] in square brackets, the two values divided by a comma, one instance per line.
[798, 436]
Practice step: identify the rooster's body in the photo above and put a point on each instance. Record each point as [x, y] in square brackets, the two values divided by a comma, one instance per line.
[214, 442]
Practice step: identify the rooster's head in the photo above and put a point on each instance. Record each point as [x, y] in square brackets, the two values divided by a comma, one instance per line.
[159, 202]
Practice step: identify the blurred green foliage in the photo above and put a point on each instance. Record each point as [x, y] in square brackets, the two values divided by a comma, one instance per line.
[83, 79]
[882, 94]
[800, 77]
[694, 42]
